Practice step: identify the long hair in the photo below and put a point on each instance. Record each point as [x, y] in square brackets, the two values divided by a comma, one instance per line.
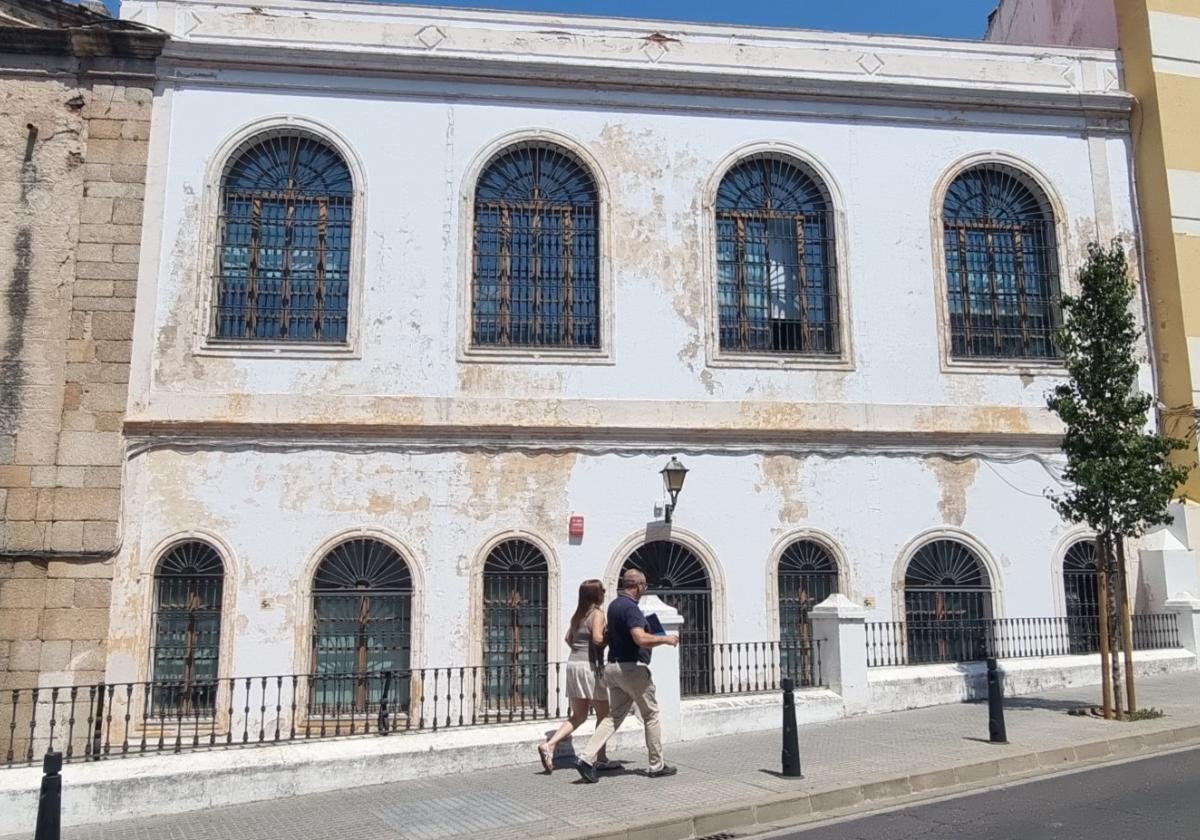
[591, 594]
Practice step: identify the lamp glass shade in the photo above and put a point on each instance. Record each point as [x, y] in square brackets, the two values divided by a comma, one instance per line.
[673, 475]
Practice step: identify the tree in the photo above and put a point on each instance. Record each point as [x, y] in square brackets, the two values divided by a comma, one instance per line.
[1119, 476]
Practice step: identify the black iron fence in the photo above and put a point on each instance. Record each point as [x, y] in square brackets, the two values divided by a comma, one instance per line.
[747, 667]
[922, 642]
[94, 722]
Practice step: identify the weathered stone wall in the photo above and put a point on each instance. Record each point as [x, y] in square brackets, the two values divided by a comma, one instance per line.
[70, 224]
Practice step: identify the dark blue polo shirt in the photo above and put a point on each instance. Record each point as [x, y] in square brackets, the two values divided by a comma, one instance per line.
[623, 615]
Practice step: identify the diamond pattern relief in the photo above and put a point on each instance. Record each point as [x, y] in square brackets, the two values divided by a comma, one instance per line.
[431, 36]
[653, 50]
[870, 63]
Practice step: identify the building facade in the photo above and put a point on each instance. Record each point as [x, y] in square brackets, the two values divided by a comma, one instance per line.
[1161, 69]
[428, 298]
[77, 90]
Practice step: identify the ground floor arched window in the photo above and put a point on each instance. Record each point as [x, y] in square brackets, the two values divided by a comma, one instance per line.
[515, 619]
[947, 603]
[808, 574]
[1081, 590]
[675, 574]
[362, 628]
[189, 583]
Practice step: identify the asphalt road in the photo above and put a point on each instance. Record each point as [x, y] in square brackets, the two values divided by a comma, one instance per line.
[1150, 799]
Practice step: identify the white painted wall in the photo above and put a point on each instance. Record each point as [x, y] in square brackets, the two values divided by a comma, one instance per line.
[269, 456]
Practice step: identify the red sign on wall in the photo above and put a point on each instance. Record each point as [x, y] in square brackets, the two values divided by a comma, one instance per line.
[576, 526]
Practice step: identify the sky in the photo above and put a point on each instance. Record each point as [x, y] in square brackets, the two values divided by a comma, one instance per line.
[942, 18]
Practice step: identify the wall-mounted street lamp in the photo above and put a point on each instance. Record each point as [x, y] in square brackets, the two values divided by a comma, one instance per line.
[673, 475]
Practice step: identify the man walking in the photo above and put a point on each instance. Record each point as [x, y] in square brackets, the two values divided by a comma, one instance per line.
[628, 677]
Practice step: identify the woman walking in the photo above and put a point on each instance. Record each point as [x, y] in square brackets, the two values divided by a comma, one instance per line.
[584, 674]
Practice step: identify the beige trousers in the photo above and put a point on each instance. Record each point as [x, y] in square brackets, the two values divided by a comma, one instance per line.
[629, 684]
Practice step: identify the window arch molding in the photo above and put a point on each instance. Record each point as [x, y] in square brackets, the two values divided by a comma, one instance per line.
[468, 352]
[1042, 184]
[825, 178]
[223, 157]
[900, 570]
[302, 652]
[775, 558]
[693, 543]
[554, 593]
[148, 580]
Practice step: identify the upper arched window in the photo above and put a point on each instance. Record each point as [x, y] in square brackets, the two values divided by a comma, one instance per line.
[361, 626]
[1001, 266]
[536, 274]
[515, 610]
[776, 260]
[188, 586]
[283, 260]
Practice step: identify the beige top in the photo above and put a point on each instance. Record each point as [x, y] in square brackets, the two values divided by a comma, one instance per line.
[582, 638]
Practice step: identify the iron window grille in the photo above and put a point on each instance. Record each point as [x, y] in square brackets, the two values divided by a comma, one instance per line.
[1002, 271]
[776, 260]
[536, 276]
[188, 587]
[947, 604]
[808, 574]
[1081, 590]
[283, 262]
[676, 575]
[515, 610]
[362, 627]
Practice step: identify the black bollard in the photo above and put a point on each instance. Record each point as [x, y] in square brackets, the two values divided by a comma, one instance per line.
[49, 817]
[997, 733]
[791, 737]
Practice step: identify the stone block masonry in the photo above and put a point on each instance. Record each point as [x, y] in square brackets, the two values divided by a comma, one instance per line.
[77, 113]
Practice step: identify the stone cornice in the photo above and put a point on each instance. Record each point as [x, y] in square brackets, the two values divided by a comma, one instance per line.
[369, 39]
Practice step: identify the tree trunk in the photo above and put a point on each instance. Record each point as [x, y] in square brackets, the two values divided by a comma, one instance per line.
[1126, 625]
[1102, 618]
[1114, 647]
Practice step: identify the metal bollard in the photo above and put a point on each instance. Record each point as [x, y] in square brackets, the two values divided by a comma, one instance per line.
[49, 816]
[997, 733]
[791, 737]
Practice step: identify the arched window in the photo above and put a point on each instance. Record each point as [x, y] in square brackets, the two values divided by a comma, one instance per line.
[536, 277]
[1081, 589]
[947, 603]
[515, 609]
[362, 626]
[808, 574]
[776, 260]
[676, 575]
[188, 586]
[1001, 266]
[283, 262]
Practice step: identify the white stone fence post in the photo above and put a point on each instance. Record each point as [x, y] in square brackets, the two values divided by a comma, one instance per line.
[665, 667]
[1187, 611]
[840, 626]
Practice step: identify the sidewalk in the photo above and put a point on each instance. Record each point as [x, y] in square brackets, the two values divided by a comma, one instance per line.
[723, 783]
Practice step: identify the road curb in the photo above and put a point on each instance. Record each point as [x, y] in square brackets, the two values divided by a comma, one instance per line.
[778, 810]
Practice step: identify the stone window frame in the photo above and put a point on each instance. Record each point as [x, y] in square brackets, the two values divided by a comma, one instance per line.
[219, 723]
[205, 343]
[468, 352]
[1066, 281]
[302, 662]
[821, 538]
[716, 356]
[900, 568]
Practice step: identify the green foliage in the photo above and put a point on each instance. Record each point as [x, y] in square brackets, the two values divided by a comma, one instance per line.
[1118, 469]
[1146, 714]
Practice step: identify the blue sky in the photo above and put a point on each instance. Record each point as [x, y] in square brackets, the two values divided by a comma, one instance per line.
[944, 18]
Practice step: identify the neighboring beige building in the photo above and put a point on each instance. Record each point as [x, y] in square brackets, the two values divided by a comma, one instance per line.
[76, 98]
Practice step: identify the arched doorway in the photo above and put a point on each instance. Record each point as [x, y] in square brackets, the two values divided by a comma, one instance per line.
[515, 611]
[947, 603]
[675, 574]
[1081, 590]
